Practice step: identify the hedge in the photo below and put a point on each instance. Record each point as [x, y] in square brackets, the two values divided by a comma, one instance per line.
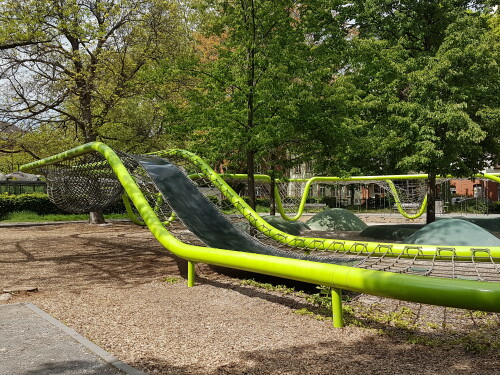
[40, 204]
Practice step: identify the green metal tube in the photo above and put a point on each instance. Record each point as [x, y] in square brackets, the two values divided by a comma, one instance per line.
[396, 249]
[130, 212]
[310, 181]
[401, 210]
[191, 273]
[445, 292]
[300, 210]
[337, 315]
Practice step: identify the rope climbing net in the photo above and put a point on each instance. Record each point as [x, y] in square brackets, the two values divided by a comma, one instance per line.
[87, 183]
[408, 196]
[444, 262]
[82, 184]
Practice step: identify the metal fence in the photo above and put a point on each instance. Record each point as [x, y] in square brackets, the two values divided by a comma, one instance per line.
[22, 187]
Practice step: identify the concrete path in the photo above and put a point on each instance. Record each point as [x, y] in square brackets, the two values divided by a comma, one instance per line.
[33, 342]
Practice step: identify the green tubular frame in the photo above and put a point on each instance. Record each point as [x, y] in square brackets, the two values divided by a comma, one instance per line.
[133, 218]
[396, 249]
[300, 210]
[467, 294]
[310, 181]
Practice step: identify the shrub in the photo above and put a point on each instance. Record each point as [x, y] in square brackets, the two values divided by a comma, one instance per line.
[41, 205]
[36, 202]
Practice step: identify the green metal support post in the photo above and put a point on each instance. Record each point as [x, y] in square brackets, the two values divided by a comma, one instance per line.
[191, 273]
[338, 321]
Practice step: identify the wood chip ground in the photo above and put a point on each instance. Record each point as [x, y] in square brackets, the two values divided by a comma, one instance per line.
[118, 287]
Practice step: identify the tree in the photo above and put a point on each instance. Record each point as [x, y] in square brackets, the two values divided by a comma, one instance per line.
[254, 80]
[18, 147]
[74, 62]
[419, 84]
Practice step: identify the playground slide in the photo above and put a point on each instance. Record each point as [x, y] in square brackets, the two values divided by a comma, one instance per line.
[205, 220]
[438, 291]
[395, 249]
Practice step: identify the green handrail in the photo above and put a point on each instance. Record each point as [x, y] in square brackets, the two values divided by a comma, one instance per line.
[396, 249]
[395, 194]
[445, 292]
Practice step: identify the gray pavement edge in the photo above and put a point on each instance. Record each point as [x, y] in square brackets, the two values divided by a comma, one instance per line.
[83, 341]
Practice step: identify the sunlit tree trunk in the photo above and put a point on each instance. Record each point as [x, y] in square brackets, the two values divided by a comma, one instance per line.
[431, 198]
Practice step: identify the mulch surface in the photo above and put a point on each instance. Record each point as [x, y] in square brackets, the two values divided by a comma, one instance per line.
[118, 287]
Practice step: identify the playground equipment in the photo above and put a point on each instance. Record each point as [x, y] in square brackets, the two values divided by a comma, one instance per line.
[459, 276]
[406, 194]
[291, 195]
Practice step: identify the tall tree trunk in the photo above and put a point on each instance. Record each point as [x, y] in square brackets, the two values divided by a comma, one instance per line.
[431, 198]
[96, 217]
[272, 200]
[251, 178]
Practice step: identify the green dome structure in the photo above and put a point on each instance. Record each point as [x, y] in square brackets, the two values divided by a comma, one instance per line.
[336, 219]
[290, 227]
[453, 232]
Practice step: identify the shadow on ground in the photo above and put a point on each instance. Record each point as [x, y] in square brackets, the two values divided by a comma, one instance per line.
[329, 357]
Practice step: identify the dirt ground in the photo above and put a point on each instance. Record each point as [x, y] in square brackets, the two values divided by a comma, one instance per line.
[118, 287]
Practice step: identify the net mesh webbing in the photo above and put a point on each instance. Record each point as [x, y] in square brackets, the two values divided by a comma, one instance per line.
[88, 183]
[82, 184]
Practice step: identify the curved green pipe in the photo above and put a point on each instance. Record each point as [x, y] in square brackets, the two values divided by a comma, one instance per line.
[396, 249]
[395, 194]
[300, 210]
[130, 212]
[445, 292]
[133, 218]
[310, 181]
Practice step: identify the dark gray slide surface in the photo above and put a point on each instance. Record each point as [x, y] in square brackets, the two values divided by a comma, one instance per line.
[204, 219]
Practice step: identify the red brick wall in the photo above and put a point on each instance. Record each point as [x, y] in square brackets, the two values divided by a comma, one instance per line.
[466, 188]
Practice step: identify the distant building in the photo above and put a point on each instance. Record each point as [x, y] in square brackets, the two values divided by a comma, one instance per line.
[485, 189]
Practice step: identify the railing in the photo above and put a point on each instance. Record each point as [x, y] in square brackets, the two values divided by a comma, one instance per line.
[17, 187]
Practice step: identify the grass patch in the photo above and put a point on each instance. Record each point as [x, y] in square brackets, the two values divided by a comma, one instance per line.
[32, 217]
[282, 289]
[171, 279]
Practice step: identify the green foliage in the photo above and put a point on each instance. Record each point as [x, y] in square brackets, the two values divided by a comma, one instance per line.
[38, 203]
[322, 299]
[171, 279]
[475, 206]
[282, 289]
[95, 52]
[257, 74]
[29, 216]
[32, 217]
[420, 85]
[41, 205]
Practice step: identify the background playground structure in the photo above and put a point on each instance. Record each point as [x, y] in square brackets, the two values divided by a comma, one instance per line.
[370, 278]
[393, 193]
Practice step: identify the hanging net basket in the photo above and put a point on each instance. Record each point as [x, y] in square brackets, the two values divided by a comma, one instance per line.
[84, 184]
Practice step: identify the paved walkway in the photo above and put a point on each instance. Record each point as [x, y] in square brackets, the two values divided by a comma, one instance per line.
[33, 342]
